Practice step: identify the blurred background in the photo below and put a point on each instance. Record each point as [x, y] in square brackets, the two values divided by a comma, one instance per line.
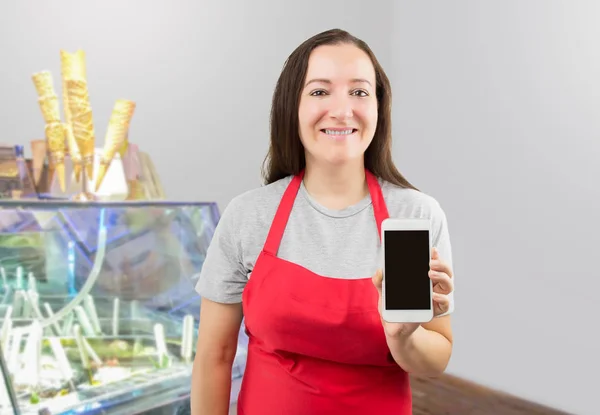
[495, 115]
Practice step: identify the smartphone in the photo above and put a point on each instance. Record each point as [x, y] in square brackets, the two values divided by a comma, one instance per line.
[407, 290]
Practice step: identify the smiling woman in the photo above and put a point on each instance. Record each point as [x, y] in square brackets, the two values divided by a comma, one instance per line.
[338, 106]
[342, 77]
[298, 257]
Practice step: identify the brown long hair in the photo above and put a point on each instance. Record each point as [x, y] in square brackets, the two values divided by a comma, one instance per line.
[286, 152]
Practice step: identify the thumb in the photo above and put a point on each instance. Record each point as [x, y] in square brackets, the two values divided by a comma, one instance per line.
[434, 253]
[377, 279]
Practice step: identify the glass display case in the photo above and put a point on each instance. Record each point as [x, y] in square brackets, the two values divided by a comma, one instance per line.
[98, 310]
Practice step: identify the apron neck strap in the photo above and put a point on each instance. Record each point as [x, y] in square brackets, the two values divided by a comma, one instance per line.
[287, 202]
[379, 206]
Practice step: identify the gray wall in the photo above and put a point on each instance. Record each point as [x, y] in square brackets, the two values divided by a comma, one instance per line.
[495, 116]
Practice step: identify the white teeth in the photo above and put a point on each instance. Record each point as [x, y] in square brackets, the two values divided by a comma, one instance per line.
[339, 132]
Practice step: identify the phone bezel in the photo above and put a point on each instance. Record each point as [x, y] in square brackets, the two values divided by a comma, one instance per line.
[405, 316]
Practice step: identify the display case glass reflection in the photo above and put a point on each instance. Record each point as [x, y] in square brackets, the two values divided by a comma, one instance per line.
[97, 307]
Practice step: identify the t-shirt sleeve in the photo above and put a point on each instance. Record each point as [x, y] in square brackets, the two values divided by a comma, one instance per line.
[441, 241]
[223, 276]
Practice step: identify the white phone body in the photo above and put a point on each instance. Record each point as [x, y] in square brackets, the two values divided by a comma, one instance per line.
[407, 290]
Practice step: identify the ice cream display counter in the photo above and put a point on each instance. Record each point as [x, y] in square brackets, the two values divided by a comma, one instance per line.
[98, 311]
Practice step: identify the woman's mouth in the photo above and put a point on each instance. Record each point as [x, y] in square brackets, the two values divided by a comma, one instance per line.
[338, 133]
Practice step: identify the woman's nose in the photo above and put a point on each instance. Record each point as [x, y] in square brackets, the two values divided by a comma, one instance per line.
[341, 108]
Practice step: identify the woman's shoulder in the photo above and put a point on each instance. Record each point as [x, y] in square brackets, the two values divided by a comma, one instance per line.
[411, 203]
[257, 203]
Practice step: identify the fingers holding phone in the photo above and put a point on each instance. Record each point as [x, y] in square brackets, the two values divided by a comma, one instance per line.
[440, 274]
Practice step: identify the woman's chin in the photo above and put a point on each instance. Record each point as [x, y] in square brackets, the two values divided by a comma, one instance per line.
[339, 159]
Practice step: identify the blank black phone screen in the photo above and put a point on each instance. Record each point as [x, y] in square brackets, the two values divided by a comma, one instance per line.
[407, 270]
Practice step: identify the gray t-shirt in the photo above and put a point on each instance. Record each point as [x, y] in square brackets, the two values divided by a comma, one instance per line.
[334, 243]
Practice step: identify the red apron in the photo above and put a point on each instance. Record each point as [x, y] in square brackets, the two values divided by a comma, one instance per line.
[316, 343]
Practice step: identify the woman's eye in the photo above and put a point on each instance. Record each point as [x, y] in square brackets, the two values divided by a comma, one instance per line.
[317, 93]
[360, 93]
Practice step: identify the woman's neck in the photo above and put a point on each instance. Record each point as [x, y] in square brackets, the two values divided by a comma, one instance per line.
[336, 187]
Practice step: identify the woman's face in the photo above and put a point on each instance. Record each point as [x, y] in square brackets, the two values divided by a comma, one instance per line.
[338, 105]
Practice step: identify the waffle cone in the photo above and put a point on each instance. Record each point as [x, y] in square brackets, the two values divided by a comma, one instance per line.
[67, 113]
[73, 151]
[116, 134]
[100, 173]
[83, 133]
[55, 139]
[123, 149]
[72, 66]
[50, 109]
[77, 169]
[44, 84]
[89, 168]
[82, 121]
[118, 127]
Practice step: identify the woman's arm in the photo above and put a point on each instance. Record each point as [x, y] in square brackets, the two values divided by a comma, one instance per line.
[215, 352]
[427, 350]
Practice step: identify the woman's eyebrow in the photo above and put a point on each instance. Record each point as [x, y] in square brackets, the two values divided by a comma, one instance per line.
[327, 81]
